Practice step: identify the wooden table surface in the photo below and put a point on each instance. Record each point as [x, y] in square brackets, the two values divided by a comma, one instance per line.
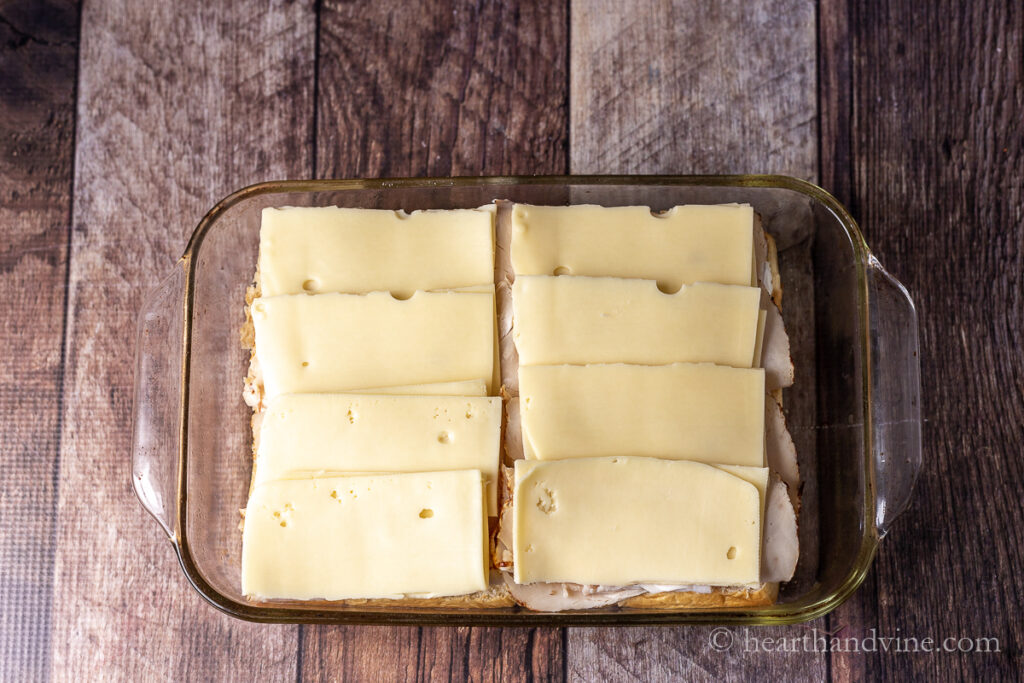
[122, 122]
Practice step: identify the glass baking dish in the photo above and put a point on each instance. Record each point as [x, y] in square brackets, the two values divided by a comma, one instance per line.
[853, 412]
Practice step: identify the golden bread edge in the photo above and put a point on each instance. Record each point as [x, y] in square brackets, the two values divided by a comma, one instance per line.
[496, 595]
[766, 595]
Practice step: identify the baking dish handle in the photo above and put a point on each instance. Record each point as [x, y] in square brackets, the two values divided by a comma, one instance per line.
[156, 413]
[895, 394]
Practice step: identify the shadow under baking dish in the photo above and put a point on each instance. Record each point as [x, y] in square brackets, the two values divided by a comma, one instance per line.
[853, 411]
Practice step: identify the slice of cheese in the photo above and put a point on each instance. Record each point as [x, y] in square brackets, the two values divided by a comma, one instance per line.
[386, 536]
[627, 520]
[610, 320]
[487, 288]
[686, 244]
[759, 341]
[312, 434]
[758, 476]
[703, 412]
[340, 342]
[469, 387]
[328, 249]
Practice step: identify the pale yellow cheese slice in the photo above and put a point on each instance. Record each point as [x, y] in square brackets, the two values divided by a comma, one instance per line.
[611, 320]
[758, 476]
[384, 536]
[703, 412]
[487, 288]
[627, 520]
[469, 387]
[330, 249]
[340, 342]
[693, 243]
[314, 434]
[759, 341]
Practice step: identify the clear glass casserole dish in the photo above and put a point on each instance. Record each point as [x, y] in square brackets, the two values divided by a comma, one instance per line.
[853, 412]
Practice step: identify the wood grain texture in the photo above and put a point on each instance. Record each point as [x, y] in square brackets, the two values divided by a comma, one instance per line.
[835, 74]
[38, 58]
[360, 653]
[439, 88]
[935, 154]
[179, 104]
[693, 86]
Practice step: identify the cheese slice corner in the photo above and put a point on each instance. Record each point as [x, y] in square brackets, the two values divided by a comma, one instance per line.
[757, 476]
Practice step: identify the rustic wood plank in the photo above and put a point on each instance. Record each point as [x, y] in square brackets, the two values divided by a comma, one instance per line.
[443, 88]
[835, 78]
[38, 59]
[179, 104]
[934, 156]
[835, 73]
[439, 88]
[406, 654]
[692, 87]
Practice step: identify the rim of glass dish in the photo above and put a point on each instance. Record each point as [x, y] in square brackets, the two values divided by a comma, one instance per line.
[770, 615]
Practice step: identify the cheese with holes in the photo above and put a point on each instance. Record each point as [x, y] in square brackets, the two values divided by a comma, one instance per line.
[329, 249]
[628, 520]
[703, 412]
[610, 320]
[306, 435]
[693, 243]
[340, 342]
[385, 536]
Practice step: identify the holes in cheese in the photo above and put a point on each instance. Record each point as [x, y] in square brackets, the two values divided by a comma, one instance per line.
[636, 520]
[366, 537]
[305, 435]
[329, 249]
[360, 341]
[611, 320]
[702, 412]
[684, 245]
